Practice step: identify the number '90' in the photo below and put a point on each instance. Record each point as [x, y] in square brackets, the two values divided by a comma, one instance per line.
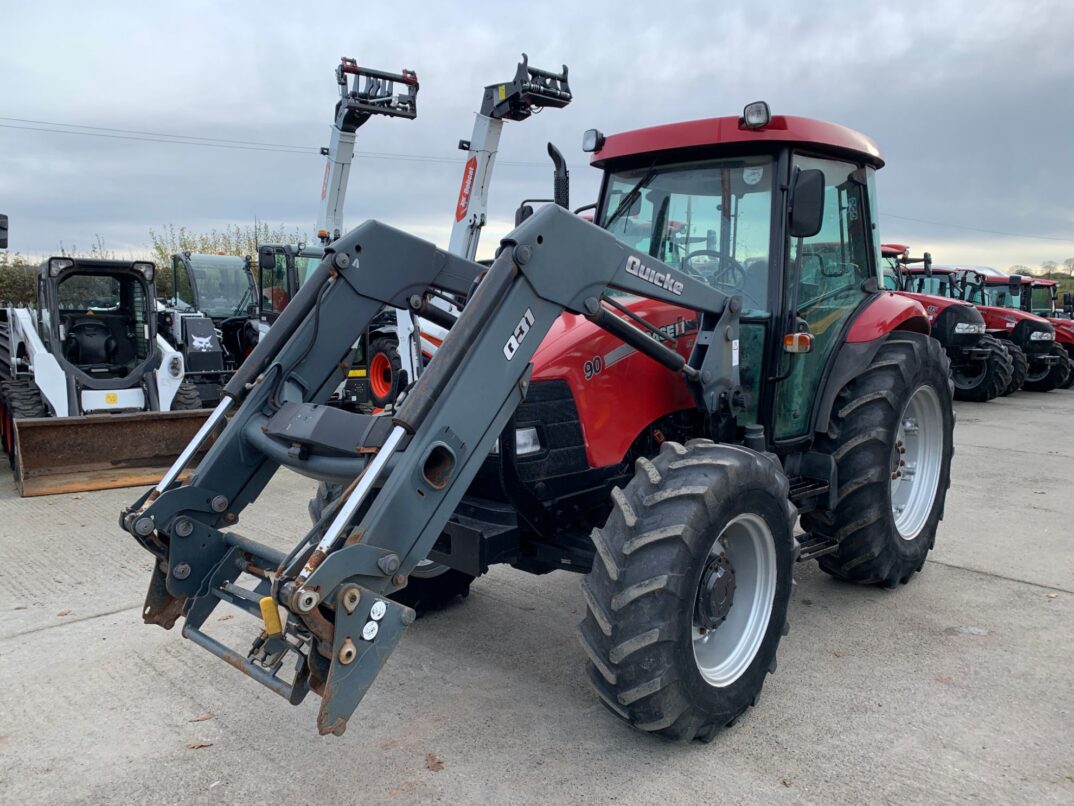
[593, 367]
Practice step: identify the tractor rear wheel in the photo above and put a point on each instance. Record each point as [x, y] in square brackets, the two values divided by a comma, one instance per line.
[430, 586]
[687, 598]
[186, 397]
[891, 437]
[985, 379]
[1020, 364]
[385, 371]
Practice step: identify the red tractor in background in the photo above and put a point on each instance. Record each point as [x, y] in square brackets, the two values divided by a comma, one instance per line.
[981, 366]
[998, 297]
[1041, 297]
[1026, 337]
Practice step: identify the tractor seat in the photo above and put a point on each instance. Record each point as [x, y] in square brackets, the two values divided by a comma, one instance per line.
[88, 343]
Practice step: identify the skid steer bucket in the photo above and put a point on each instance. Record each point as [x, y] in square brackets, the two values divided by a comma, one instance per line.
[99, 452]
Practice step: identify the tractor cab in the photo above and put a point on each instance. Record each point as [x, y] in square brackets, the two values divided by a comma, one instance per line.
[1042, 297]
[96, 318]
[281, 269]
[711, 198]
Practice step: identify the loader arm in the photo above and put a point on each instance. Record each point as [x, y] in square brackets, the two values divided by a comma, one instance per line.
[409, 470]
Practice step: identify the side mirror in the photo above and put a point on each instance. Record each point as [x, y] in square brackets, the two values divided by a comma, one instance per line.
[927, 263]
[266, 258]
[3, 232]
[1068, 300]
[523, 212]
[1014, 284]
[807, 204]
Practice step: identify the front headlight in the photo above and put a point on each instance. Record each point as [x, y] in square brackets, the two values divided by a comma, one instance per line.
[970, 327]
[526, 442]
[1041, 335]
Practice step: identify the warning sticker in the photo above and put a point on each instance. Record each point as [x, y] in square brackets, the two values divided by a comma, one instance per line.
[734, 353]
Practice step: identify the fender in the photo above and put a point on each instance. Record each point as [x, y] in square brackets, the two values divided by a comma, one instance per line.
[888, 312]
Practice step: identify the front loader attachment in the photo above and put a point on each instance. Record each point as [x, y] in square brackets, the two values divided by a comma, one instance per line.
[56, 455]
[327, 624]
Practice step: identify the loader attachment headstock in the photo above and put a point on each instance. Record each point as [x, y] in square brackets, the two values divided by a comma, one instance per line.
[325, 615]
[364, 92]
[531, 89]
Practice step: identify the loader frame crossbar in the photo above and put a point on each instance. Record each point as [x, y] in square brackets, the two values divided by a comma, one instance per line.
[409, 470]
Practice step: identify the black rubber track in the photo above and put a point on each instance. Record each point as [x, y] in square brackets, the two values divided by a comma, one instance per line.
[862, 437]
[999, 370]
[1021, 367]
[390, 348]
[640, 594]
[21, 399]
[186, 398]
[422, 594]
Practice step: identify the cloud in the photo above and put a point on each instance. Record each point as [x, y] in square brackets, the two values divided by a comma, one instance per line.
[969, 101]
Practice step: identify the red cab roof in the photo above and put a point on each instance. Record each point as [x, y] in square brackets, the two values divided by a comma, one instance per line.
[892, 249]
[728, 130]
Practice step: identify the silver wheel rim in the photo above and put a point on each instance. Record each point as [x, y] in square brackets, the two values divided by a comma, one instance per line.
[916, 458]
[965, 378]
[426, 569]
[722, 654]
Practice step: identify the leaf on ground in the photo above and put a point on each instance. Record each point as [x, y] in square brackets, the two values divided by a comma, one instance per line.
[786, 782]
[433, 762]
[201, 718]
[65, 612]
[404, 788]
[228, 617]
[196, 745]
[838, 653]
[1053, 595]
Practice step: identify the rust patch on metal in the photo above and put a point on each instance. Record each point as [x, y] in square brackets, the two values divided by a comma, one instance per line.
[313, 562]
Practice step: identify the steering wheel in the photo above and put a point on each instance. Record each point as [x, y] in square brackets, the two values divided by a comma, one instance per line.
[731, 272]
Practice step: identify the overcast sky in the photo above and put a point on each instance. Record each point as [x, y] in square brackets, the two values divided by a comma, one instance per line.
[971, 102]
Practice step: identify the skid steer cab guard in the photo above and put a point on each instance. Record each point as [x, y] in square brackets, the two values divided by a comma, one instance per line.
[673, 200]
[90, 387]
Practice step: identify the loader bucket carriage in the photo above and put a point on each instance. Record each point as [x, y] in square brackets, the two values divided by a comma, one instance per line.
[328, 617]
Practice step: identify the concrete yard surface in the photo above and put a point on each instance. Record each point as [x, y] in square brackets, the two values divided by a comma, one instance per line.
[956, 688]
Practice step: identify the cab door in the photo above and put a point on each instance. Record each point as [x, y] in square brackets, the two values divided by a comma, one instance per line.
[825, 276]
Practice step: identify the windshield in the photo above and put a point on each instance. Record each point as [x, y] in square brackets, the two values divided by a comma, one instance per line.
[711, 219]
[938, 285]
[996, 295]
[1041, 300]
[306, 263]
[224, 286]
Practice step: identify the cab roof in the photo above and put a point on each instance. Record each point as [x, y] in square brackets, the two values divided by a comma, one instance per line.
[694, 134]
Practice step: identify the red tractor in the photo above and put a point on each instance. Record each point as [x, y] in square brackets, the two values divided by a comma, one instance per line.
[998, 298]
[1041, 297]
[608, 467]
[981, 367]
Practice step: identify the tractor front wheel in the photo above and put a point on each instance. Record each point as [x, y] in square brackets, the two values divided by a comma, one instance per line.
[987, 379]
[891, 435]
[430, 586]
[1020, 364]
[385, 371]
[687, 599]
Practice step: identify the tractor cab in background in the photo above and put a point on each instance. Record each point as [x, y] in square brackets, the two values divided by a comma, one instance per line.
[281, 270]
[210, 317]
